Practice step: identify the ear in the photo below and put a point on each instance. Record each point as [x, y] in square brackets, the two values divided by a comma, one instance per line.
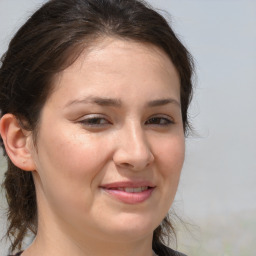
[18, 142]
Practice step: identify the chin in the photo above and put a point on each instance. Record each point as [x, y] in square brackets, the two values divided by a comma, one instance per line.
[133, 228]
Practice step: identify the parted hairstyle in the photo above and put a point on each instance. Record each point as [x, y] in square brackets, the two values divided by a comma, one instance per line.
[50, 41]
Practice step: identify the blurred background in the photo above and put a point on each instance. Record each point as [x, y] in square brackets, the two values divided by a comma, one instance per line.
[217, 192]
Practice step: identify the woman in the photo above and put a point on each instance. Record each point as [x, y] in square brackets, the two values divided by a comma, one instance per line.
[94, 97]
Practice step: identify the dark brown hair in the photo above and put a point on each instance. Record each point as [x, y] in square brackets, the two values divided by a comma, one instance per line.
[49, 42]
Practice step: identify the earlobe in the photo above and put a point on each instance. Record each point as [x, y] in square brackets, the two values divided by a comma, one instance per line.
[17, 142]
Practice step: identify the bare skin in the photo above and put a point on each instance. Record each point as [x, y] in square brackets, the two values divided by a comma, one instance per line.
[112, 124]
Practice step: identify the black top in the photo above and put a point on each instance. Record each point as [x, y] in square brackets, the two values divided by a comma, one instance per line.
[18, 254]
[161, 250]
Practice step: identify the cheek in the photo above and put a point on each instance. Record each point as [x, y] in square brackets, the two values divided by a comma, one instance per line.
[72, 163]
[171, 158]
[69, 167]
[169, 161]
[71, 154]
[171, 153]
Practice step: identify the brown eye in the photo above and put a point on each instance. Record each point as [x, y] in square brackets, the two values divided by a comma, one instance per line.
[162, 121]
[94, 121]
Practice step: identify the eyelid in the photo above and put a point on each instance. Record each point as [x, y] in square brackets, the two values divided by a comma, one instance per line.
[95, 120]
[169, 120]
[89, 118]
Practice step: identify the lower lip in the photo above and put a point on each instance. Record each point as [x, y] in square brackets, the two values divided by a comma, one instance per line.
[130, 198]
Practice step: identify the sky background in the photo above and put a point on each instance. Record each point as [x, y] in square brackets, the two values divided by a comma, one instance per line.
[217, 192]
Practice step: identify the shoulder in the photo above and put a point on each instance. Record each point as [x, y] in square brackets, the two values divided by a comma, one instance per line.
[162, 250]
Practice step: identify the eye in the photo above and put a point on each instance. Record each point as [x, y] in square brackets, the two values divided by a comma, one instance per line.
[94, 121]
[158, 120]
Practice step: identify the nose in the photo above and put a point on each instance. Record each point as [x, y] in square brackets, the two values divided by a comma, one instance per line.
[133, 150]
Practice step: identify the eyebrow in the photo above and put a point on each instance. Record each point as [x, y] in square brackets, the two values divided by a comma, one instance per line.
[162, 102]
[97, 100]
[111, 102]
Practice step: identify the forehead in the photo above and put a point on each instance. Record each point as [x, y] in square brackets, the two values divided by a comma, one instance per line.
[111, 64]
[103, 51]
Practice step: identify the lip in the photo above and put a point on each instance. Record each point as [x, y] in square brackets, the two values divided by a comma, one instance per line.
[113, 189]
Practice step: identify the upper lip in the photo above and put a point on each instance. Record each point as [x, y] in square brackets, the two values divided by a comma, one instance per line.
[127, 184]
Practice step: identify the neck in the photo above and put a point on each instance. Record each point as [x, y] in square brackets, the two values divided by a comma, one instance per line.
[68, 247]
[63, 243]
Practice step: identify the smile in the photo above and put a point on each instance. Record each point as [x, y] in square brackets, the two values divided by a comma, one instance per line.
[129, 193]
[133, 190]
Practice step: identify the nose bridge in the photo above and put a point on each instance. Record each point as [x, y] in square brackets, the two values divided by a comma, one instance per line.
[136, 138]
[134, 149]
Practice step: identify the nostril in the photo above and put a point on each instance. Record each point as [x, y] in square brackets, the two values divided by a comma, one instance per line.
[127, 165]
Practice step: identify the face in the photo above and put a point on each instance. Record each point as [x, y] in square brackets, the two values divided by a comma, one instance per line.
[110, 146]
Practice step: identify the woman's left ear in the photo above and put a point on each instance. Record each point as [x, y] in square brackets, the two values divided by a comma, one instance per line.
[18, 142]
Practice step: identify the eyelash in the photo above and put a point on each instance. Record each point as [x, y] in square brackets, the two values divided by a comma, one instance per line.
[161, 121]
[96, 121]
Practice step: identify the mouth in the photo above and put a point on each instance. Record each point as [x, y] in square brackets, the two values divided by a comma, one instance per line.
[129, 193]
[132, 189]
